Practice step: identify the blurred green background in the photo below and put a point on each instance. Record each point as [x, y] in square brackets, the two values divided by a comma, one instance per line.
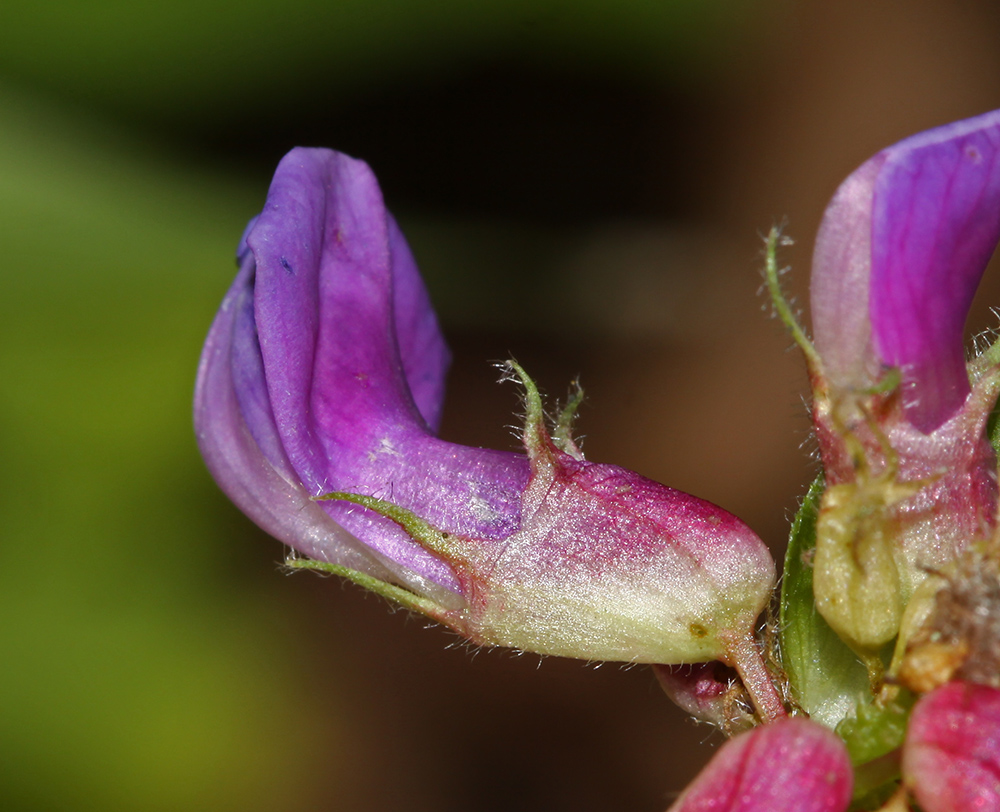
[583, 183]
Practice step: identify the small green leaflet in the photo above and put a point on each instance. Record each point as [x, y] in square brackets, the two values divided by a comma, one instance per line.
[827, 678]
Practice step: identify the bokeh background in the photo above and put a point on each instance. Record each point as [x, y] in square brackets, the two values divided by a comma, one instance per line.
[584, 183]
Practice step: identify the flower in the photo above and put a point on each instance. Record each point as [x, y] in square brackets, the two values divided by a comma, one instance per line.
[898, 258]
[950, 762]
[792, 765]
[900, 416]
[318, 396]
[951, 759]
[710, 692]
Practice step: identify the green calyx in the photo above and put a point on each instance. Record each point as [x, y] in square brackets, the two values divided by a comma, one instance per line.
[861, 582]
[537, 441]
[394, 593]
[856, 579]
[828, 679]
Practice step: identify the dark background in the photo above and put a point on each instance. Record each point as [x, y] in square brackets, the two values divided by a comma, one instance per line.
[584, 184]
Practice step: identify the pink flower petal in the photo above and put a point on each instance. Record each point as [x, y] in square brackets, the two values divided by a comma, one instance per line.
[793, 765]
[951, 759]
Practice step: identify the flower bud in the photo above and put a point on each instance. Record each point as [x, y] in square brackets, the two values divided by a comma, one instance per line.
[951, 759]
[792, 765]
[710, 692]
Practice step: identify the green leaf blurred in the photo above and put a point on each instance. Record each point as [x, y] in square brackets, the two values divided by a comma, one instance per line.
[206, 53]
[139, 672]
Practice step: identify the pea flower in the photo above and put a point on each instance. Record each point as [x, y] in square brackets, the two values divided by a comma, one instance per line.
[950, 762]
[318, 397]
[951, 759]
[900, 415]
[792, 765]
[904, 520]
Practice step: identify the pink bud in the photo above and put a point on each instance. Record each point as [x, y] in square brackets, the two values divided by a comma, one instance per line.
[951, 759]
[792, 765]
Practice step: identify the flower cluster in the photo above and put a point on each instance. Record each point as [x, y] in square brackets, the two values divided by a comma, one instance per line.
[902, 567]
[317, 404]
[950, 763]
[901, 418]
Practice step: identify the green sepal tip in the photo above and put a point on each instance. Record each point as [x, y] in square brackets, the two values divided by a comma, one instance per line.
[536, 435]
[781, 305]
[562, 435]
[398, 594]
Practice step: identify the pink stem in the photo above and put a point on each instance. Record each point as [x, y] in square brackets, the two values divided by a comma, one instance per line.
[749, 664]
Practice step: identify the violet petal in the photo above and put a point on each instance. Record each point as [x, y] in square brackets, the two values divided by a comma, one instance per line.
[263, 487]
[899, 255]
[422, 347]
[935, 223]
[324, 317]
[336, 296]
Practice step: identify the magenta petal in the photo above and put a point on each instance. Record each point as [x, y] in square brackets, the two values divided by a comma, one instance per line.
[263, 485]
[898, 258]
[792, 765]
[324, 315]
[935, 223]
[337, 370]
[951, 759]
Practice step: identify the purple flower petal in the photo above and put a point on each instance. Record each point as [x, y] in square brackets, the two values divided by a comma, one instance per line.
[951, 758]
[324, 315]
[935, 223]
[422, 347]
[264, 486]
[900, 253]
[249, 380]
[345, 342]
[792, 765]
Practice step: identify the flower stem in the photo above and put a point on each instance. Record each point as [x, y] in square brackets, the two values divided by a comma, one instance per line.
[749, 664]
